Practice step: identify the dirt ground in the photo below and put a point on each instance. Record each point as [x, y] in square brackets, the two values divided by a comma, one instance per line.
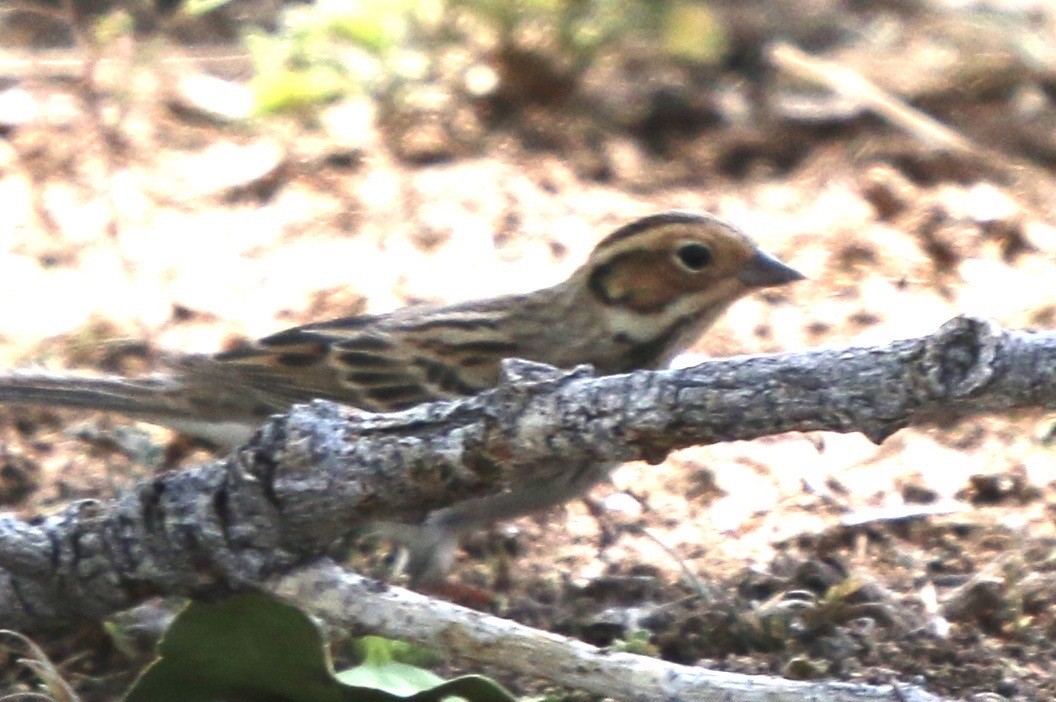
[930, 559]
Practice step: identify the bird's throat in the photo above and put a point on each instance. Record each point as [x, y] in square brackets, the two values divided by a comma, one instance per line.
[647, 341]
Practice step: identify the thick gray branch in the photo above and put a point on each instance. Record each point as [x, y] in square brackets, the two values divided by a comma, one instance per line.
[310, 477]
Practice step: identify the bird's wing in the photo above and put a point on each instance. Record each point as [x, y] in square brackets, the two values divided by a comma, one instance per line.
[354, 362]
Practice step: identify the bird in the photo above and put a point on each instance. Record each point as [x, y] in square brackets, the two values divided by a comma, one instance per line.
[647, 291]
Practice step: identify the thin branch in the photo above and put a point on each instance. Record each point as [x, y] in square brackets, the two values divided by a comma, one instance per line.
[849, 83]
[1023, 176]
[68, 64]
[359, 606]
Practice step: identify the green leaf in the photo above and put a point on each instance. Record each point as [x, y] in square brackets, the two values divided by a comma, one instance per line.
[695, 33]
[400, 679]
[253, 647]
[377, 33]
[294, 91]
[381, 671]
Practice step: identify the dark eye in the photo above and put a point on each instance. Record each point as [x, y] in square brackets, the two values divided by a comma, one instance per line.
[694, 256]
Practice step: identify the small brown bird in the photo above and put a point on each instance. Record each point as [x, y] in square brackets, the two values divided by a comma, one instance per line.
[646, 292]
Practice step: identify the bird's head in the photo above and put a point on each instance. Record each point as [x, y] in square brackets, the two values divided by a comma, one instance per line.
[664, 278]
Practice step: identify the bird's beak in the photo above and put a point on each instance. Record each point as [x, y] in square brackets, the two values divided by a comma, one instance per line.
[763, 271]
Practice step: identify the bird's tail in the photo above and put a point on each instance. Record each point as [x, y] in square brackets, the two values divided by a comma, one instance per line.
[137, 397]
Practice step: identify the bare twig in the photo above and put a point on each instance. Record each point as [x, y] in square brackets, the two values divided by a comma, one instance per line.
[692, 580]
[1023, 177]
[359, 605]
[68, 64]
[855, 86]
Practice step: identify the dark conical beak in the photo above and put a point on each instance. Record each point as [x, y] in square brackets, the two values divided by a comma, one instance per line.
[763, 271]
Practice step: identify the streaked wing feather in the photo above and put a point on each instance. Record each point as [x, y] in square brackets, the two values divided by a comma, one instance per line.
[378, 363]
[364, 368]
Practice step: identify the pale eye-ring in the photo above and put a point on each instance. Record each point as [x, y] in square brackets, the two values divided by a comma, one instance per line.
[693, 255]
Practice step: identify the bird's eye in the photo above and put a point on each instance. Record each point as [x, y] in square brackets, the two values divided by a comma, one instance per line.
[694, 256]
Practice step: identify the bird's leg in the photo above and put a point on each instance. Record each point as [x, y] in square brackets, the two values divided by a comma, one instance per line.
[431, 546]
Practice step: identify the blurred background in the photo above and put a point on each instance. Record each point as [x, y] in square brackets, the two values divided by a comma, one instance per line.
[181, 176]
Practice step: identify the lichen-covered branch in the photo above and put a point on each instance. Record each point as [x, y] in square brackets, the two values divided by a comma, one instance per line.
[308, 478]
